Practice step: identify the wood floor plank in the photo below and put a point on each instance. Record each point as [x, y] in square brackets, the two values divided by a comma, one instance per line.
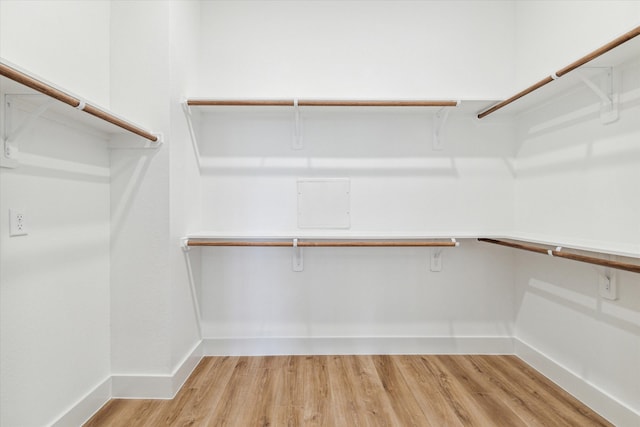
[468, 411]
[575, 412]
[229, 410]
[402, 400]
[317, 391]
[374, 402]
[531, 410]
[289, 396]
[201, 393]
[452, 391]
[126, 412]
[344, 399]
[536, 388]
[481, 392]
[436, 408]
[262, 396]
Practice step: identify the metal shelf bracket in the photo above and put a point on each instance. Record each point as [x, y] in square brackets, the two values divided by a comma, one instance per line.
[604, 91]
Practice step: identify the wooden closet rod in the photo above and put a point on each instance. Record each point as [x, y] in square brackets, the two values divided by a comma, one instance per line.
[561, 254]
[370, 103]
[323, 243]
[576, 64]
[318, 103]
[37, 85]
[240, 102]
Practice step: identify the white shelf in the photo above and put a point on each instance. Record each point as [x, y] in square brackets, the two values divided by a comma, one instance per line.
[307, 234]
[618, 57]
[624, 250]
[18, 87]
[629, 251]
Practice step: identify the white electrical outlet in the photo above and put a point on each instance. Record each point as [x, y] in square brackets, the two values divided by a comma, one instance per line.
[607, 286]
[17, 223]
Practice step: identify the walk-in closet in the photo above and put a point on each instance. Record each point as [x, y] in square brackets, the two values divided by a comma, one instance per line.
[319, 212]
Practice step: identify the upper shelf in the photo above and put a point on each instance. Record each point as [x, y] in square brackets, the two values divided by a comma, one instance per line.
[18, 82]
[620, 50]
[201, 102]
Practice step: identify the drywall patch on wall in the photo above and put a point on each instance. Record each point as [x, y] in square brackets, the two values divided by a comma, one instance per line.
[324, 203]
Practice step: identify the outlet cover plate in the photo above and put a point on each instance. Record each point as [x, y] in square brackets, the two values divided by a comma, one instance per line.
[17, 223]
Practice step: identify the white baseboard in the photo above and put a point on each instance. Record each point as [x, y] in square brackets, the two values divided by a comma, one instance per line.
[156, 386]
[142, 386]
[186, 367]
[86, 407]
[131, 386]
[166, 386]
[605, 405]
[260, 346]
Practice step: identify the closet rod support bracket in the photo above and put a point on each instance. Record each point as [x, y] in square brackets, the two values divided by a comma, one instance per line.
[436, 260]
[605, 91]
[11, 135]
[126, 141]
[157, 143]
[297, 127]
[607, 285]
[298, 257]
[188, 114]
[184, 244]
[439, 121]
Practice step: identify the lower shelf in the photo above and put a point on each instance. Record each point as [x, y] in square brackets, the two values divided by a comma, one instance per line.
[322, 242]
[558, 252]
[591, 257]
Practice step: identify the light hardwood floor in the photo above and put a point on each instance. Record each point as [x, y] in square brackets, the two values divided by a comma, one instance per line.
[358, 391]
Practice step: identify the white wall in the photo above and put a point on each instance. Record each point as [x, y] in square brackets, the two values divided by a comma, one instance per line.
[141, 57]
[54, 324]
[400, 186]
[55, 281]
[64, 42]
[552, 34]
[140, 273]
[576, 181]
[153, 323]
[560, 315]
[575, 175]
[185, 175]
[357, 49]
[355, 293]
[572, 179]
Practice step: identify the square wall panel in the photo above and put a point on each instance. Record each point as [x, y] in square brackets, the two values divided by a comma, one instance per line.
[324, 203]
